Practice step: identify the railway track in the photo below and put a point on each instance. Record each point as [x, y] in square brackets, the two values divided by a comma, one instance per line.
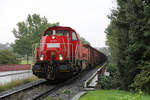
[55, 88]
[9, 93]
[32, 91]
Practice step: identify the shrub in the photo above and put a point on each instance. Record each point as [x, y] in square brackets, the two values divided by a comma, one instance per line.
[109, 82]
[8, 57]
[142, 80]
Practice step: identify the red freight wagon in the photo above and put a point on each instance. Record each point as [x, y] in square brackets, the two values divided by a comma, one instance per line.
[95, 57]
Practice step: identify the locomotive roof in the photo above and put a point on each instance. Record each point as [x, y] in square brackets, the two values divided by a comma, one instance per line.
[60, 28]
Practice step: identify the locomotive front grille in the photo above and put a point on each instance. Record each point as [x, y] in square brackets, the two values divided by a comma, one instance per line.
[53, 45]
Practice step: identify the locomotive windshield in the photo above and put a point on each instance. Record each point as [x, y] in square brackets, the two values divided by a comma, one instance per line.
[57, 33]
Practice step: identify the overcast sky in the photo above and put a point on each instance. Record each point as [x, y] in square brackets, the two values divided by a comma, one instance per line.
[87, 17]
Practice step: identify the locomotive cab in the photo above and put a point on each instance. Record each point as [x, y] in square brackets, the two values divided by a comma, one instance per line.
[58, 45]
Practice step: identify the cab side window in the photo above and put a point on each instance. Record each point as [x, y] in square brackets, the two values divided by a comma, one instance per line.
[74, 38]
[48, 33]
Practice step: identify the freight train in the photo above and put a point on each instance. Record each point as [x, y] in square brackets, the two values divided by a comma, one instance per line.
[61, 54]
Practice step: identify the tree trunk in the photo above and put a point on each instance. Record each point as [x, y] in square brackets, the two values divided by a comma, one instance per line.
[27, 58]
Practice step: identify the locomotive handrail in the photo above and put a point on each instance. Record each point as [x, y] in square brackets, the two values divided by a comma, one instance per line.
[64, 47]
[76, 52]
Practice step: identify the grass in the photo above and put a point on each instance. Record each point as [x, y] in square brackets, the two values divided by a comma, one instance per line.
[57, 98]
[25, 62]
[6, 86]
[66, 91]
[99, 66]
[49, 98]
[113, 95]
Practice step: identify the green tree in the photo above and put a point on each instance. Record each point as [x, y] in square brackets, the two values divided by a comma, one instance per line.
[8, 57]
[128, 37]
[29, 32]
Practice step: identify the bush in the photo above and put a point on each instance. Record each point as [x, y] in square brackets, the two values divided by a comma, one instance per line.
[109, 82]
[142, 80]
[8, 57]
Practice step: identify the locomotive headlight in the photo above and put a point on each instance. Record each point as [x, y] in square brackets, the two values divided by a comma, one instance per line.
[53, 37]
[60, 57]
[41, 57]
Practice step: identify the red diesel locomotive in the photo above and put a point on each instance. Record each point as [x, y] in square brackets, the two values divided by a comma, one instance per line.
[61, 54]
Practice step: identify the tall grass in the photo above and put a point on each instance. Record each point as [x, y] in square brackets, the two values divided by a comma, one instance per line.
[14, 83]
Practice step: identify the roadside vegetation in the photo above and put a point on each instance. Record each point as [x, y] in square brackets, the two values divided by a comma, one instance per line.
[14, 83]
[8, 57]
[128, 39]
[109, 82]
[113, 95]
[129, 54]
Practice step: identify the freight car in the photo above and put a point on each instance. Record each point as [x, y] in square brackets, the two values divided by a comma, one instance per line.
[61, 54]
